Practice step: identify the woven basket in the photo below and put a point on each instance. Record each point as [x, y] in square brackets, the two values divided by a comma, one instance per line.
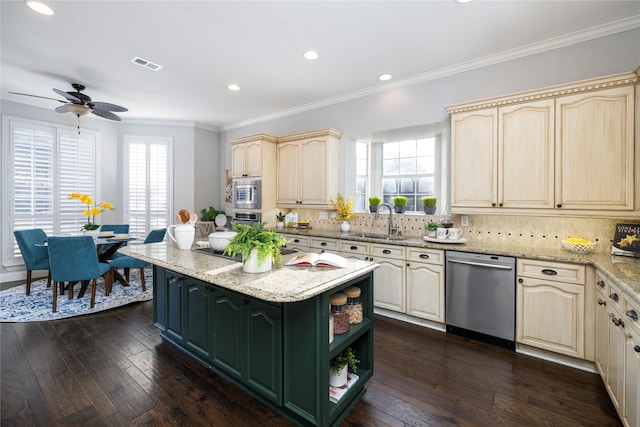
[579, 248]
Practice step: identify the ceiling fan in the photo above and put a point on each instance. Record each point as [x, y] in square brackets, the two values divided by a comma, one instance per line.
[81, 104]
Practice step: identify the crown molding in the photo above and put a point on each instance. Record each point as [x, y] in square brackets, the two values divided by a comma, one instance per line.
[615, 27]
[178, 123]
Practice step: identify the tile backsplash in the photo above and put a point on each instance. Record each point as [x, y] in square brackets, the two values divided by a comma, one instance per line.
[538, 231]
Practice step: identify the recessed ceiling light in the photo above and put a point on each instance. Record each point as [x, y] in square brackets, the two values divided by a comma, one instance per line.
[146, 64]
[233, 87]
[311, 55]
[39, 7]
[463, 1]
[384, 77]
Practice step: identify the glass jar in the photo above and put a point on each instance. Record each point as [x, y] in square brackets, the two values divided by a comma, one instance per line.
[354, 306]
[330, 326]
[339, 313]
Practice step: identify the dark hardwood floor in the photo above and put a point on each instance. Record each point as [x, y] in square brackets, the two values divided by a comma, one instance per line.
[113, 369]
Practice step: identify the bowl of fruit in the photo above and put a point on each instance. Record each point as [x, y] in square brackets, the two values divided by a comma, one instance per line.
[579, 245]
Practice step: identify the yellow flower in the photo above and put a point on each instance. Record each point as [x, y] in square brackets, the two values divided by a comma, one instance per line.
[344, 206]
[92, 209]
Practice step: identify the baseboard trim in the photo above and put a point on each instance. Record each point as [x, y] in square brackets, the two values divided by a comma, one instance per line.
[572, 362]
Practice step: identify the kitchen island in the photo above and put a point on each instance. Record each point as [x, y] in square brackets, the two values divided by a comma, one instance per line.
[268, 333]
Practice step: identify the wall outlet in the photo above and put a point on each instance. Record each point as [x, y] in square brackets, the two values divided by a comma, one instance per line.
[323, 215]
[464, 221]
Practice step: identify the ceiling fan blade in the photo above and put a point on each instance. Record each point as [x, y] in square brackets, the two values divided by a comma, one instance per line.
[62, 109]
[68, 96]
[107, 115]
[105, 106]
[36, 96]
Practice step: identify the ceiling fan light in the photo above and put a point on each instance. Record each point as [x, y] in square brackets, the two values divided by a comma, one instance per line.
[39, 7]
[77, 109]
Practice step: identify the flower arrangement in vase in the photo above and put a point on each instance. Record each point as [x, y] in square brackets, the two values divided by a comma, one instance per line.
[92, 209]
[344, 207]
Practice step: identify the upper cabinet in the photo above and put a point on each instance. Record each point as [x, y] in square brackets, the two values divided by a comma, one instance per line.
[308, 168]
[248, 155]
[565, 149]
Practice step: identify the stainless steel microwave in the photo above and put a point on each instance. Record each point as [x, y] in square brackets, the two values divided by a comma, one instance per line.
[246, 193]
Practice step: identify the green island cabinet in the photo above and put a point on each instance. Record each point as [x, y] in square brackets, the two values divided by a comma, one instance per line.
[279, 353]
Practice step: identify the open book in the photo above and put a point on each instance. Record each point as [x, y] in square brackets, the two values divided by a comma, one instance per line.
[325, 259]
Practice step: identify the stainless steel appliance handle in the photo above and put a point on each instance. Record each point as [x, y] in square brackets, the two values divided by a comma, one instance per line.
[481, 264]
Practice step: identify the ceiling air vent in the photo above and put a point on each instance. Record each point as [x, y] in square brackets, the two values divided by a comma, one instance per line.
[146, 64]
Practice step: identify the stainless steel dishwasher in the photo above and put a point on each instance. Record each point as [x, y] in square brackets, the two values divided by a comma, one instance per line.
[481, 297]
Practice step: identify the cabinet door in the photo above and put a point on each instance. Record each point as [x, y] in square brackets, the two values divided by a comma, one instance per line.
[631, 411]
[425, 291]
[615, 379]
[525, 155]
[175, 284]
[602, 336]
[198, 314]
[228, 333]
[160, 290]
[264, 349]
[253, 159]
[389, 284]
[288, 174]
[237, 160]
[550, 315]
[602, 176]
[474, 145]
[312, 185]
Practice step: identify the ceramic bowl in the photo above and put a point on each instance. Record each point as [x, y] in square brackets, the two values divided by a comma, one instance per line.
[219, 240]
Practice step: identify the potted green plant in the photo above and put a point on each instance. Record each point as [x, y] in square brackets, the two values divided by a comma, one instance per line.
[432, 227]
[210, 214]
[259, 247]
[399, 203]
[374, 202]
[340, 365]
[429, 204]
[280, 220]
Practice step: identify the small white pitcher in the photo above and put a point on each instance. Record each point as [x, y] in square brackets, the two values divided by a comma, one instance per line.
[182, 235]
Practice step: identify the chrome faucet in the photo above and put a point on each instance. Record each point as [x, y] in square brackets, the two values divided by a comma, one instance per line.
[392, 228]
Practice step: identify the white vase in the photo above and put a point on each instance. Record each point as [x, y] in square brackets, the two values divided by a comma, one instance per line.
[93, 233]
[345, 226]
[339, 379]
[251, 265]
[279, 225]
[182, 235]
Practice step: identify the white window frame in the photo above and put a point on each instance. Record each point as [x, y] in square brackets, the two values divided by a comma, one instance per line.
[64, 216]
[148, 141]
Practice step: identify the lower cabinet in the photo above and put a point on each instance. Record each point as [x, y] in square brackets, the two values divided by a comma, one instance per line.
[550, 306]
[279, 352]
[425, 284]
[631, 405]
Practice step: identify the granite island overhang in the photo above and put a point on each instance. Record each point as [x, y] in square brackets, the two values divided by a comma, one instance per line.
[269, 332]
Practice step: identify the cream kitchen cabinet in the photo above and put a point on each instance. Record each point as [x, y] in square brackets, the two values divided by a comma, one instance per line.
[389, 282]
[308, 169]
[249, 154]
[550, 306]
[503, 157]
[297, 242]
[425, 284]
[356, 250]
[602, 176]
[631, 404]
[567, 149]
[322, 244]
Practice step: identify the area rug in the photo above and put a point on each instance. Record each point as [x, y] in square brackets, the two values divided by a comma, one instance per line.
[16, 306]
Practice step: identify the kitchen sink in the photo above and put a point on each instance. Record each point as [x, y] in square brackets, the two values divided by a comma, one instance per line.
[381, 236]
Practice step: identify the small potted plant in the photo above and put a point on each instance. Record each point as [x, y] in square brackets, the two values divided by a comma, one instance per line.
[259, 247]
[374, 202]
[429, 204]
[432, 227]
[340, 365]
[280, 220]
[399, 203]
[208, 215]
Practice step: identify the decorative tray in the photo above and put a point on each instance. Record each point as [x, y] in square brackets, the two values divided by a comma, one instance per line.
[445, 241]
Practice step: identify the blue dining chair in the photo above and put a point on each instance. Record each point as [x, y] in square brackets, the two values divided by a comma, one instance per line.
[74, 259]
[128, 262]
[34, 253]
[115, 229]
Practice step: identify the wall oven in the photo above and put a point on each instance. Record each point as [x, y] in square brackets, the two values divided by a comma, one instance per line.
[248, 218]
[247, 193]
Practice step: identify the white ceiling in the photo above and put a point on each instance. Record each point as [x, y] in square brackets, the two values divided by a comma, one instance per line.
[206, 45]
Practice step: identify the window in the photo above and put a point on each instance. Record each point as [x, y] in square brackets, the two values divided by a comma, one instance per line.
[147, 184]
[44, 163]
[362, 167]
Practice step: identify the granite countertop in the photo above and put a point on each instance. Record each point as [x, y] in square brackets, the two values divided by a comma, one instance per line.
[282, 284]
[622, 271]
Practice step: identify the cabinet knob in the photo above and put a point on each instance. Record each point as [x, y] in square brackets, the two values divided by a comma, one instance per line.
[424, 256]
[493, 204]
[386, 251]
[636, 348]
[323, 244]
[558, 205]
[632, 314]
[617, 322]
[520, 280]
[500, 204]
[549, 272]
[354, 248]
[601, 302]
[296, 240]
[600, 283]
[614, 296]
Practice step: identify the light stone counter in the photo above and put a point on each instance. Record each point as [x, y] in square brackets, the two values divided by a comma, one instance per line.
[623, 271]
[282, 284]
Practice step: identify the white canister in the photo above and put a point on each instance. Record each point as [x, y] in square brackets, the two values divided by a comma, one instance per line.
[182, 235]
